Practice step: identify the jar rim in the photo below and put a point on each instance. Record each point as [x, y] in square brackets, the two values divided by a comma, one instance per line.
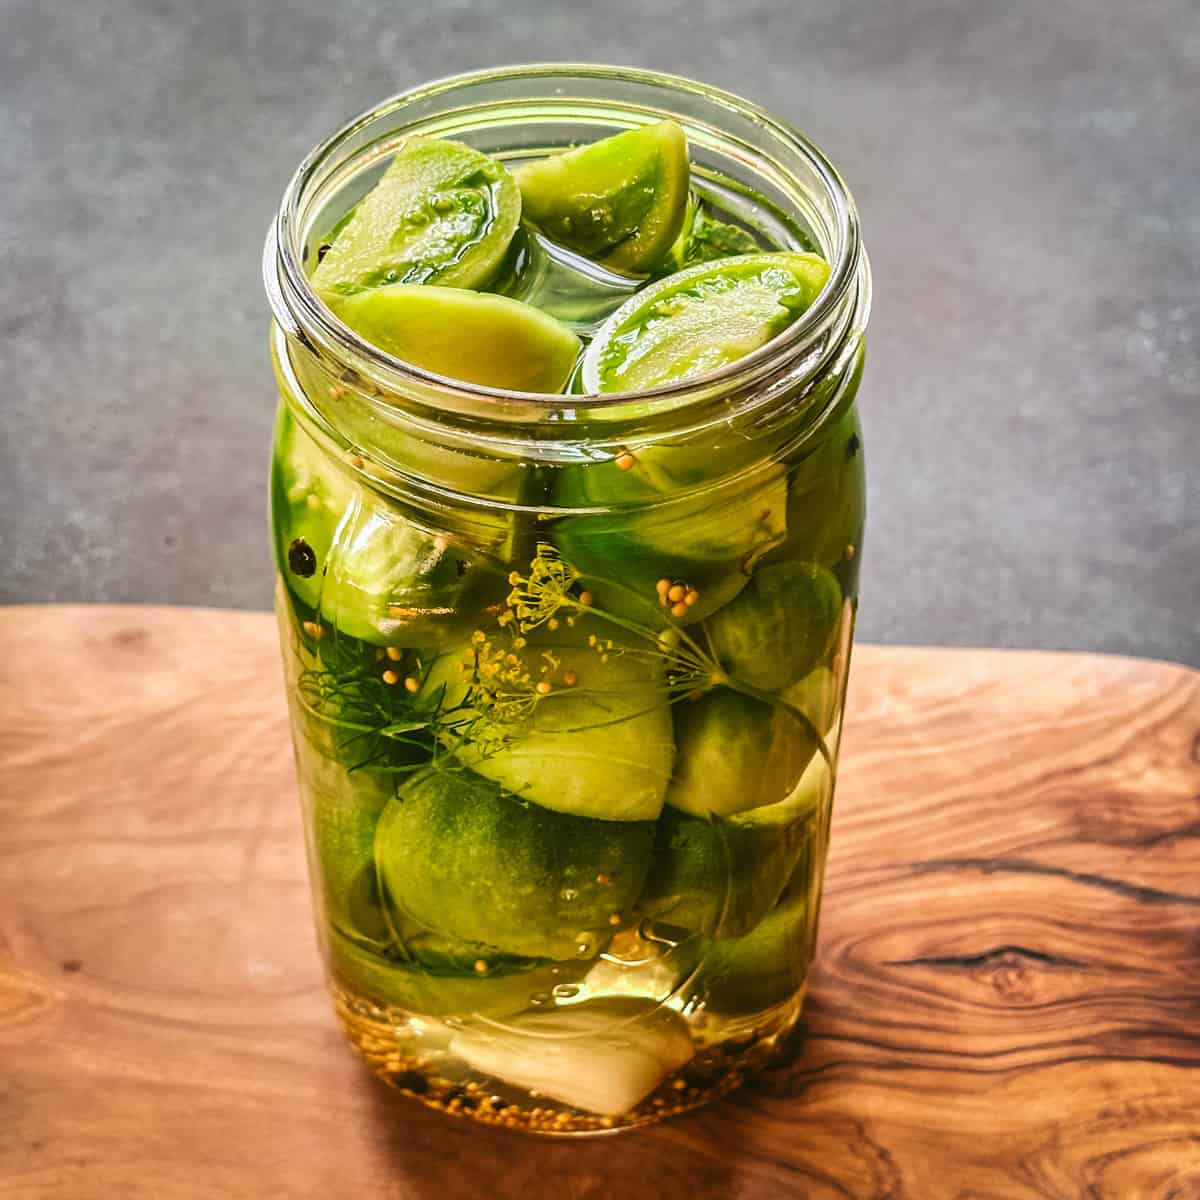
[299, 311]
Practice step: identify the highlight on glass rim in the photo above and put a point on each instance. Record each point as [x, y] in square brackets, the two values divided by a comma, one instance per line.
[567, 500]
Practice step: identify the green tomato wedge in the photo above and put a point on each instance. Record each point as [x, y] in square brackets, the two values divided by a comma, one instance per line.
[441, 213]
[620, 201]
[393, 582]
[437, 989]
[469, 336]
[735, 753]
[779, 626]
[368, 421]
[827, 494]
[600, 746]
[707, 542]
[465, 859]
[369, 569]
[310, 493]
[817, 696]
[753, 973]
[341, 796]
[343, 810]
[701, 319]
[721, 875]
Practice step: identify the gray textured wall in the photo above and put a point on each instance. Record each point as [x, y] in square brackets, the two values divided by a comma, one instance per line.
[1029, 183]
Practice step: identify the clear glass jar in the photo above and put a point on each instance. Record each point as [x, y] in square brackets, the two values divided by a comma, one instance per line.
[566, 673]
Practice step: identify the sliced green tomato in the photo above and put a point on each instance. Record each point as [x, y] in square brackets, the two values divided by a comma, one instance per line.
[369, 420]
[816, 696]
[753, 973]
[341, 798]
[343, 809]
[310, 493]
[827, 495]
[707, 543]
[441, 213]
[368, 568]
[721, 875]
[701, 319]
[391, 582]
[735, 753]
[620, 201]
[466, 860]
[504, 990]
[779, 626]
[600, 746]
[470, 336]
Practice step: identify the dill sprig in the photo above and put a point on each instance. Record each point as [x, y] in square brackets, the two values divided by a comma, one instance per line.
[375, 724]
[553, 586]
[371, 723]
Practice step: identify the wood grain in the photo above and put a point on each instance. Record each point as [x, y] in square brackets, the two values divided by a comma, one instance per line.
[1007, 1001]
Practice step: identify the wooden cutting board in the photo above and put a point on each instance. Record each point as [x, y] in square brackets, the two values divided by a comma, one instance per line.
[1006, 1004]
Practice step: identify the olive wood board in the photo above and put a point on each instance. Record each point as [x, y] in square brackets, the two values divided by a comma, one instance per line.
[1006, 1002]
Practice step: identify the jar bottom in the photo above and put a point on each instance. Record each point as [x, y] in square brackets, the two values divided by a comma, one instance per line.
[409, 1052]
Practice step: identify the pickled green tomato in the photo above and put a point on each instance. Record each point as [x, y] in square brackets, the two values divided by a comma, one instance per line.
[471, 336]
[342, 795]
[735, 753]
[598, 744]
[620, 201]
[827, 494]
[423, 985]
[441, 213]
[701, 319]
[344, 809]
[392, 582]
[779, 626]
[720, 876]
[361, 417]
[706, 544]
[371, 570]
[464, 858]
[765, 967]
[309, 495]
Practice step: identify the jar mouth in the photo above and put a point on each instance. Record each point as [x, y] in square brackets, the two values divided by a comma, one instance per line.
[300, 312]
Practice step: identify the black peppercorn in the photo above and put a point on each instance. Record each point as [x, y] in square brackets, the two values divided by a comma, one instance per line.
[302, 559]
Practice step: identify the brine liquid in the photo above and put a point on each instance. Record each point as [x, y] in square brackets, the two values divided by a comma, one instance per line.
[462, 994]
[413, 1054]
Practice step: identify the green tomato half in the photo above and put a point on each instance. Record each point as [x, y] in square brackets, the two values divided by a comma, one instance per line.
[735, 753]
[706, 541]
[720, 876]
[779, 626]
[600, 745]
[442, 213]
[466, 860]
[620, 201]
[366, 566]
[475, 337]
[701, 319]
[766, 967]
[503, 989]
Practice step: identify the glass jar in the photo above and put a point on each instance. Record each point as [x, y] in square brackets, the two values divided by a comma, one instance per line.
[566, 673]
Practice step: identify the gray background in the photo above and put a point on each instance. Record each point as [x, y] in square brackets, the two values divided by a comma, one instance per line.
[1029, 184]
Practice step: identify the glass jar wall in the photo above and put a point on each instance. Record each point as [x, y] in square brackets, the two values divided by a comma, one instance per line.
[566, 673]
